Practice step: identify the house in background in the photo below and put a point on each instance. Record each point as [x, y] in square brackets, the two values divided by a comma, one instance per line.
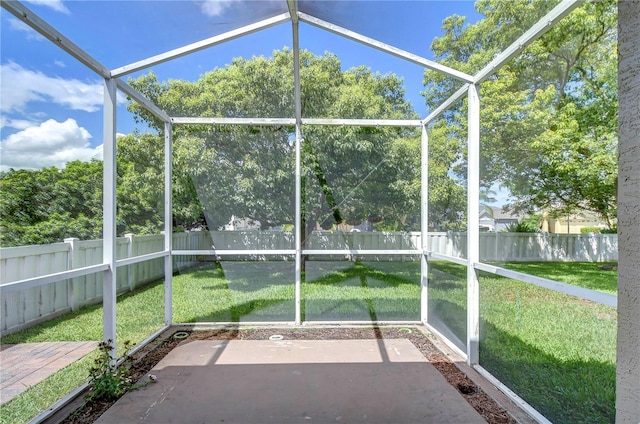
[571, 224]
[495, 219]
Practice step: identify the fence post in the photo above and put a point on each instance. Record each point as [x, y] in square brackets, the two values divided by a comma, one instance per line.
[187, 261]
[131, 283]
[73, 284]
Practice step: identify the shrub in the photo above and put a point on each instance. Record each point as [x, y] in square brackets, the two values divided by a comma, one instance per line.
[523, 226]
[587, 230]
[110, 379]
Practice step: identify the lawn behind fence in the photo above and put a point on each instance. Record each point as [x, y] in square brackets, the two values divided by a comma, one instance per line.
[555, 351]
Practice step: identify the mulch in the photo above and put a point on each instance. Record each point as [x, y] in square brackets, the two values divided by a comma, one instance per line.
[148, 357]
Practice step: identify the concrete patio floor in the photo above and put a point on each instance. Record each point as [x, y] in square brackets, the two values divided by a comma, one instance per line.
[294, 381]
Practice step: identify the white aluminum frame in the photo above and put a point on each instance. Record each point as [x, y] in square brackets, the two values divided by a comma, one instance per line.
[53, 35]
[384, 47]
[537, 416]
[364, 252]
[234, 121]
[200, 45]
[109, 286]
[234, 252]
[424, 223]
[459, 94]
[142, 100]
[454, 259]
[473, 227]
[168, 223]
[141, 258]
[581, 292]
[297, 94]
[110, 264]
[536, 31]
[28, 283]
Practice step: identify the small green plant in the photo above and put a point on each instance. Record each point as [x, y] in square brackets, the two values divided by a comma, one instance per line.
[110, 378]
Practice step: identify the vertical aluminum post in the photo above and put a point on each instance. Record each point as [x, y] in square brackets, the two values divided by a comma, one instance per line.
[168, 225]
[424, 225]
[298, 209]
[473, 227]
[109, 283]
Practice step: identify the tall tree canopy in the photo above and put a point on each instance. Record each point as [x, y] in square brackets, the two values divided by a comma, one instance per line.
[349, 173]
[219, 171]
[549, 117]
[48, 205]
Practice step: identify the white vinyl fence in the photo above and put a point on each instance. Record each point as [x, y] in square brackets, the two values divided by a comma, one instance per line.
[530, 247]
[24, 308]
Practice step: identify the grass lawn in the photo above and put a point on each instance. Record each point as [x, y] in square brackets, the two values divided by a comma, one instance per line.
[555, 351]
[590, 275]
[139, 314]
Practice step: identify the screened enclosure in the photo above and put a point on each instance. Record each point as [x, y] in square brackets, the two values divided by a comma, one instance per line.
[284, 181]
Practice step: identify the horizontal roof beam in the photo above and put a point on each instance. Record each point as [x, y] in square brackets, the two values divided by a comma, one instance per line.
[200, 45]
[142, 100]
[305, 121]
[363, 122]
[50, 33]
[535, 32]
[402, 54]
[234, 121]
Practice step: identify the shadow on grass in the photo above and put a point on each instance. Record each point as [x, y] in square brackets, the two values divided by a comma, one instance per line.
[337, 291]
[263, 292]
[570, 391]
[448, 285]
[564, 391]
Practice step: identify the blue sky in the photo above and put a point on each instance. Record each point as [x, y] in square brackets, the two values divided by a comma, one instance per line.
[51, 105]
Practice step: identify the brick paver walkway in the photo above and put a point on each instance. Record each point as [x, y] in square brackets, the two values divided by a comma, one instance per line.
[26, 364]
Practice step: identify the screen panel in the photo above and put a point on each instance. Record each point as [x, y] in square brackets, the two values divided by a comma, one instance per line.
[235, 291]
[540, 342]
[361, 291]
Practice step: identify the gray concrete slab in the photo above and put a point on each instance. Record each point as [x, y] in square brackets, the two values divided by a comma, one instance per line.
[294, 381]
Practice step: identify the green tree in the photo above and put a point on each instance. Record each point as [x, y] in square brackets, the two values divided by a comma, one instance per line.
[50, 204]
[348, 173]
[549, 117]
[140, 184]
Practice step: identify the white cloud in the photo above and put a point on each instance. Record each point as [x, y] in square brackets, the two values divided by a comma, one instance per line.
[56, 5]
[20, 86]
[17, 25]
[59, 63]
[215, 8]
[19, 124]
[51, 143]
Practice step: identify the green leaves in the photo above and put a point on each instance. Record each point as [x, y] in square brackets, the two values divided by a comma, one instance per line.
[108, 379]
[249, 172]
[549, 117]
[48, 205]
